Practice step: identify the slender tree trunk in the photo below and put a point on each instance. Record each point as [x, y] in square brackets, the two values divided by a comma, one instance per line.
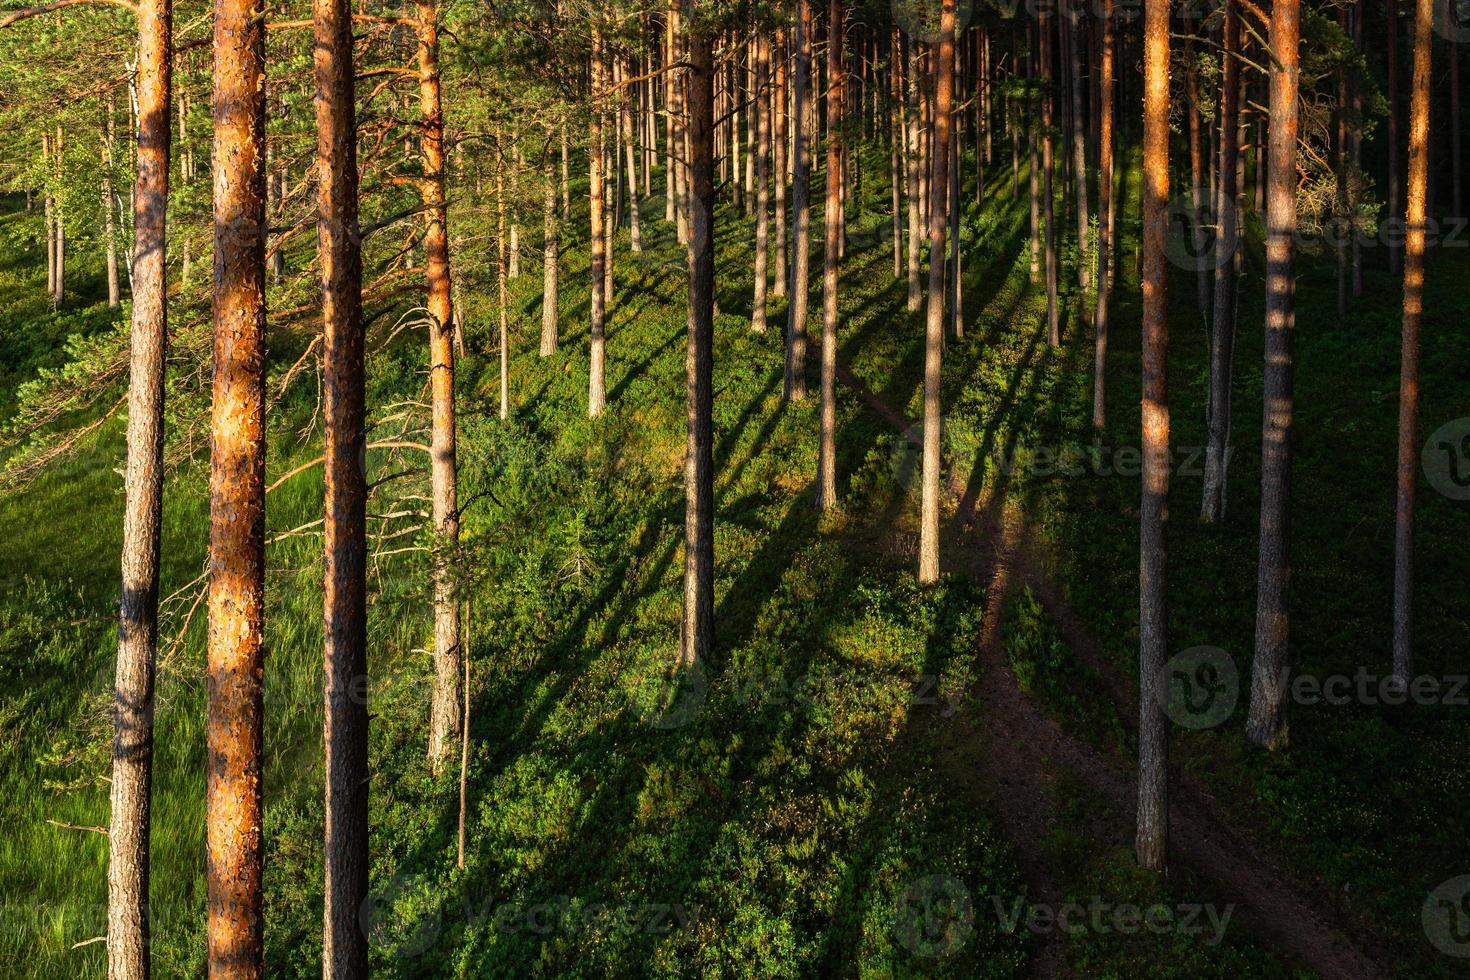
[1222, 324]
[500, 282]
[794, 386]
[566, 180]
[934, 312]
[1048, 195]
[671, 111]
[1395, 166]
[137, 628]
[914, 139]
[1197, 179]
[597, 383]
[59, 217]
[896, 130]
[443, 470]
[1153, 623]
[630, 151]
[778, 166]
[345, 718]
[1034, 165]
[1403, 558]
[1106, 99]
[50, 218]
[1267, 724]
[464, 745]
[826, 488]
[233, 804]
[1079, 151]
[549, 270]
[697, 631]
[109, 229]
[762, 181]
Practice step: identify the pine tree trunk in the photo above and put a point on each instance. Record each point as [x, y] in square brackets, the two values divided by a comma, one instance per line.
[762, 181]
[1048, 195]
[1267, 724]
[109, 229]
[500, 282]
[1395, 175]
[1408, 461]
[778, 165]
[550, 268]
[630, 151]
[129, 832]
[934, 312]
[1106, 100]
[914, 139]
[597, 383]
[1222, 324]
[826, 488]
[794, 382]
[443, 471]
[1153, 632]
[345, 718]
[1079, 153]
[1197, 180]
[233, 802]
[697, 630]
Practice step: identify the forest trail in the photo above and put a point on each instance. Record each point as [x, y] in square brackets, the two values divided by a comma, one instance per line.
[1012, 758]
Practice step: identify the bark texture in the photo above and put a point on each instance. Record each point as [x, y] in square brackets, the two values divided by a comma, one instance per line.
[137, 625]
[236, 661]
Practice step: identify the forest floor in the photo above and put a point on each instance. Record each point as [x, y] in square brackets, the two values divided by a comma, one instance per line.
[869, 778]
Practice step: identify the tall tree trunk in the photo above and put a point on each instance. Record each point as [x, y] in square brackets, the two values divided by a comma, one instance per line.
[1048, 195]
[1267, 724]
[550, 266]
[697, 630]
[345, 718]
[1199, 213]
[50, 219]
[1034, 165]
[1395, 166]
[1403, 556]
[762, 180]
[630, 152]
[914, 141]
[1153, 623]
[500, 283]
[1079, 150]
[896, 156]
[778, 161]
[59, 218]
[1222, 324]
[444, 468]
[1106, 100]
[109, 229]
[233, 805]
[137, 626]
[826, 488]
[794, 386]
[934, 312]
[597, 382]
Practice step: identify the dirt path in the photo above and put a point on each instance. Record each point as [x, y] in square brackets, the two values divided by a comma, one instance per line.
[1012, 757]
